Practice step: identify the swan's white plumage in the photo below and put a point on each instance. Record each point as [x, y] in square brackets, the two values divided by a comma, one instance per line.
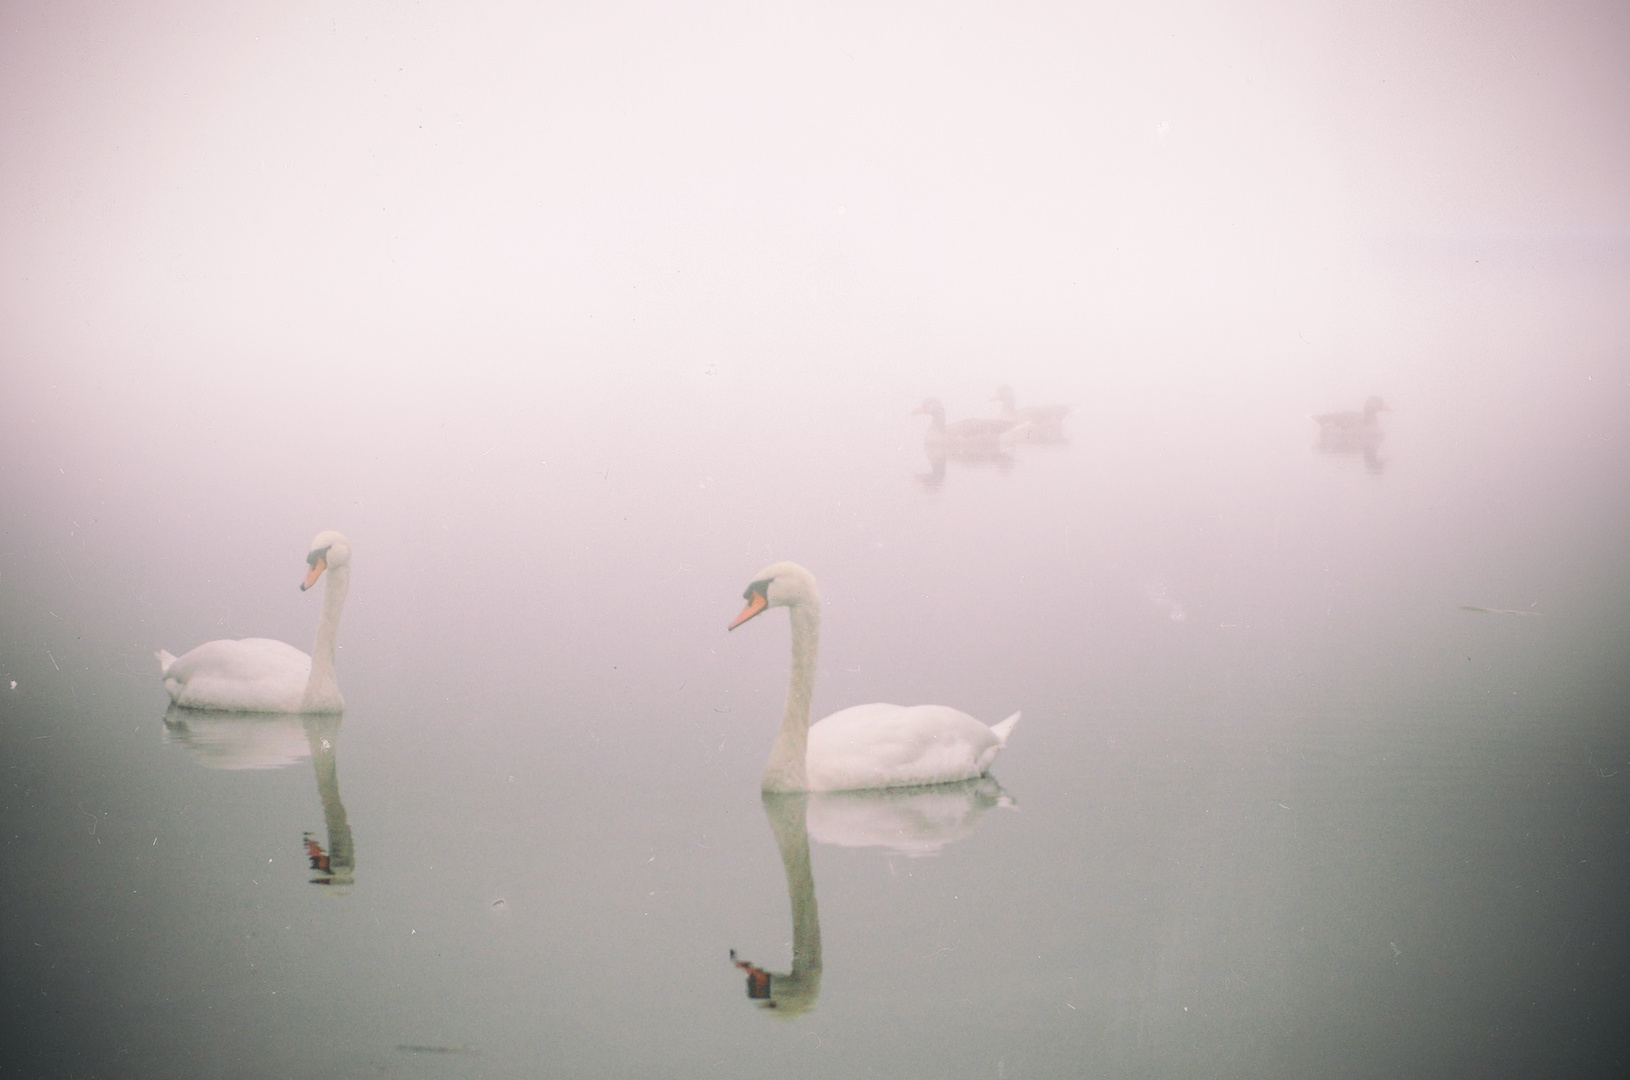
[252, 674]
[879, 746]
[864, 746]
[262, 674]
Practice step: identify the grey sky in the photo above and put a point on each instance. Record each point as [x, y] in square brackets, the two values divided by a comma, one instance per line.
[351, 191]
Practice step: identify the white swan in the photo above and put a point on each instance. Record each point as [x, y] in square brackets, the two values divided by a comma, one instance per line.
[864, 746]
[262, 675]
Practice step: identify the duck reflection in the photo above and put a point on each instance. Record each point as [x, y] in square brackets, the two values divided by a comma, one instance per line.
[966, 457]
[237, 740]
[1354, 434]
[913, 821]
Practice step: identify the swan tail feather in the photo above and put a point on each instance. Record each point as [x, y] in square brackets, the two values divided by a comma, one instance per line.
[1005, 728]
[165, 659]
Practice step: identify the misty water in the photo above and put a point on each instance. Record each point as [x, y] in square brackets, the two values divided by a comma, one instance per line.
[1322, 767]
[572, 320]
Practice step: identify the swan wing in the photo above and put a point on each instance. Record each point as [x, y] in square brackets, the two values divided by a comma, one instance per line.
[881, 746]
[245, 675]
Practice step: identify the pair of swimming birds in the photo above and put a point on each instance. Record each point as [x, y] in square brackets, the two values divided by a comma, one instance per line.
[1044, 422]
[865, 746]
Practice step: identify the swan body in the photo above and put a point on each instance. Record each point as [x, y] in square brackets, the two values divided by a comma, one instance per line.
[974, 433]
[263, 675]
[884, 746]
[865, 746]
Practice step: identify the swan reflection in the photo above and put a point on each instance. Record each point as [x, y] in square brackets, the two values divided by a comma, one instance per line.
[239, 740]
[914, 821]
[910, 821]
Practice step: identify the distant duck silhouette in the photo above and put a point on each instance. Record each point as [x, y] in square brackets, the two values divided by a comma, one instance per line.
[1354, 434]
[264, 675]
[1355, 422]
[1033, 423]
[974, 433]
[976, 441]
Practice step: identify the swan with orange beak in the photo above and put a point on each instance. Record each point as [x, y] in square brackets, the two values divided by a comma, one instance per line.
[863, 746]
[263, 674]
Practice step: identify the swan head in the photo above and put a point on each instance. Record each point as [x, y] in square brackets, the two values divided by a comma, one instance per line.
[1004, 394]
[1375, 405]
[329, 551]
[781, 584]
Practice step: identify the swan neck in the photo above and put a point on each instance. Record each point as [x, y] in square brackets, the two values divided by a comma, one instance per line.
[786, 769]
[322, 688]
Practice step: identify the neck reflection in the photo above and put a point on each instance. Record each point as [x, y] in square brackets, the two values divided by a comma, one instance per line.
[238, 741]
[912, 821]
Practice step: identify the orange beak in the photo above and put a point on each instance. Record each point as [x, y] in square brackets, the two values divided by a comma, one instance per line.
[756, 603]
[316, 572]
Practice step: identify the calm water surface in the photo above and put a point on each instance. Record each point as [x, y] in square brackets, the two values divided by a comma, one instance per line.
[1279, 805]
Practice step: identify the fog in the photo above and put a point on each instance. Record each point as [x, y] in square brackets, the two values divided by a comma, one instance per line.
[573, 320]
